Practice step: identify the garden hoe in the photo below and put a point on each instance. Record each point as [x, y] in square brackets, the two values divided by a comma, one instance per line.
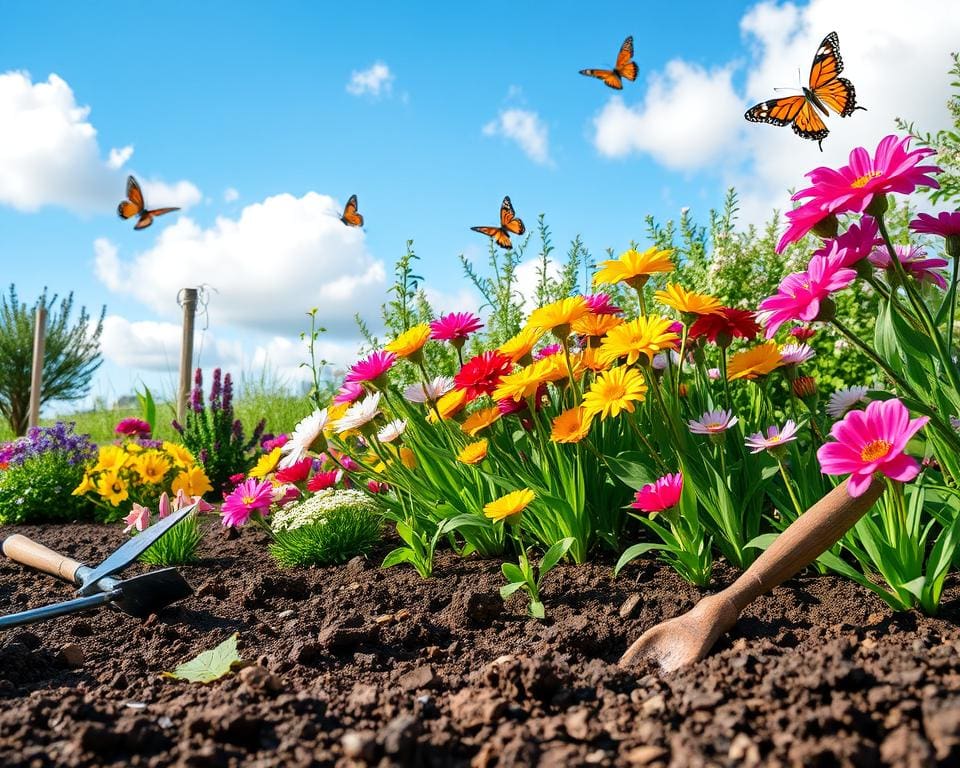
[139, 596]
[688, 638]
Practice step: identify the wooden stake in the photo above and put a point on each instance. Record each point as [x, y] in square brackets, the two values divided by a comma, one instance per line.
[189, 303]
[36, 374]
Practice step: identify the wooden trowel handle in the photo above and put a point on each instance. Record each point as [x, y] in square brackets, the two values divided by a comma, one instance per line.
[29, 552]
[809, 536]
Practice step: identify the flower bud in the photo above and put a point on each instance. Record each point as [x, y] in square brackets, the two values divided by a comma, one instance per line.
[827, 227]
[805, 387]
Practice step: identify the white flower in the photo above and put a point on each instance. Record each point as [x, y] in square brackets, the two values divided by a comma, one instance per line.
[314, 509]
[794, 354]
[360, 413]
[305, 434]
[432, 390]
[659, 361]
[843, 400]
[392, 431]
[713, 374]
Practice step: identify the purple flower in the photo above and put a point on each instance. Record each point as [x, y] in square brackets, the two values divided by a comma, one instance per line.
[228, 394]
[215, 391]
[60, 438]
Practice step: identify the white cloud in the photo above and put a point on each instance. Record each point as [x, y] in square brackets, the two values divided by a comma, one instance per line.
[692, 119]
[526, 129]
[268, 266]
[147, 345]
[374, 81]
[528, 278]
[230, 195]
[159, 194]
[49, 153]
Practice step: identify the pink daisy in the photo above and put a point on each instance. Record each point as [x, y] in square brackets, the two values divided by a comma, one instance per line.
[599, 304]
[349, 392]
[872, 441]
[856, 243]
[323, 480]
[946, 224]
[455, 327]
[133, 427]
[662, 494]
[774, 438]
[372, 368]
[915, 262]
[550, 349]
[712, 423]
[801, 220]
[795, 354]
[250, 496]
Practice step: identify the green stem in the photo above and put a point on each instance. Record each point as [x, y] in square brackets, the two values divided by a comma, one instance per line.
[954, 253]
[786, 481]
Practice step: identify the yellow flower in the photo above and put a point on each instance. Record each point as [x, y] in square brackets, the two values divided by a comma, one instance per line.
[266, 464]
[521, 345]
[595, 325]
[111, 458]
[509, 507]
[590, 360]
[571, 426]
[152, 466]
[643, 336]
[193, 482]
[409, 343]
[519, 384]
[688, 302]
[559, 315]
[408, 458]
[112, 487]
[754, 362]
[554, 368]
[132, 447]
[86, 485]
[474, 453]
[614, 391]
[480, 420]
[449, 404]
[179, 454]
[334, 414]
[634, 268]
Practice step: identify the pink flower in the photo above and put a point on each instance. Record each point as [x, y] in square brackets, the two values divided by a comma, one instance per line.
[802, 220]
[372, 368]
[163, 507]
[856, 243]
[284, 492]
[774, 438]
[550, 349]
[237, 478]
[915, 262]
[712, 423]
[795, 354]
[801, 293]
[133, 427]
[946, 224]
[455, 327]
[138, 518]
[183, 500]
[250, 496]
[599, 304]
[323, 480]
[348, 393]
[274, 442]
[660, 495]
[872, 441]
[374, 486]
[802, 332]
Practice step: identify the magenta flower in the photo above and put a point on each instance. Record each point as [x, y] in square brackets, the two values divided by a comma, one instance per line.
[274, 442]
[801, 293]
[550, 349]
[348, 393]
[372, 368]
[660, 495]
[323, 480]
[870, 442]
[946, 224]
[915, 262]
[375, 486]
[856, 244]
[802, 332]
[801, 221]
[599, 304]
[455, 327]
[138, 518]
[133, 427]
[774, 438]
[250, 496]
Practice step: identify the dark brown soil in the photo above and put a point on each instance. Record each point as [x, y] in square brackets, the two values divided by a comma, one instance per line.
[354, 665]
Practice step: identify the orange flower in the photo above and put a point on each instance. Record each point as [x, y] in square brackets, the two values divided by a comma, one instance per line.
[508, 508]
[756, 361]
[688, 302]
[474, 453]
[595, 325]
[480, 420]
[571, 426]
[449, 404]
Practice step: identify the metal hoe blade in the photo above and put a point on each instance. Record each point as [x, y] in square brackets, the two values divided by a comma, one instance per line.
[128, 552]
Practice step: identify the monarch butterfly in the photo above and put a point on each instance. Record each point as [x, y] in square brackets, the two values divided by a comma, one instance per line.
[508, 223]
[134, 206]
[624, 67]
[826, 89]
[350, 215]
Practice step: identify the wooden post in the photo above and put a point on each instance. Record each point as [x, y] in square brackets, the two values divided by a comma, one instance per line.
[36, 374]
[189, 303]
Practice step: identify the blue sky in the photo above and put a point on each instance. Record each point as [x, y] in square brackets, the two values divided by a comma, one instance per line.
[258, 99]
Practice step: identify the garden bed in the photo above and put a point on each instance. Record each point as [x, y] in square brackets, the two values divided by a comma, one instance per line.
[391, 669]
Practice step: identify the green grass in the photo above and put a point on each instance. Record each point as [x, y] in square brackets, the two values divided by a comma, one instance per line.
[178, 546]
[342, 534]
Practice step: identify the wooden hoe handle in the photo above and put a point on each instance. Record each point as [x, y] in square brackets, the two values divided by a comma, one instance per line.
[28, 552]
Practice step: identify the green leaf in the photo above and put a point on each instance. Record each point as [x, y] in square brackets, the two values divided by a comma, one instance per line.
[763, 541]
[536, 609]
[509, 589]
[513, 573]
[632, 553]
[397, 556]
[631, 469]
[209, 665]
[555, 554]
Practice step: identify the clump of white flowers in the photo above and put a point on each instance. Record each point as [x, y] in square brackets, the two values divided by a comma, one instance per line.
[316, 508]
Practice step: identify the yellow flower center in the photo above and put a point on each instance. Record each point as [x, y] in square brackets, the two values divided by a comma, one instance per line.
[714, 426]
[248, 500]
[116, 488]
[863, 180]
[774, 439]
[875, 449]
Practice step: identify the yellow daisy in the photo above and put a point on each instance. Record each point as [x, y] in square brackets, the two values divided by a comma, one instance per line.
[519, 384]
[688, 302]
[449, 404]
[756, 361]
[409, 343]
[111, 458]
[508, 508]
[193, 482]
[595, 325]
[558, 316]
[266, 464]
[643, 336]
[480, 420]
[112, 487]
[86, 485]
[179, 454]
[334, 413]
[473, 453]
[152, 466]
[520, 346]
[633, 267]
[571, 426]
[614, 391]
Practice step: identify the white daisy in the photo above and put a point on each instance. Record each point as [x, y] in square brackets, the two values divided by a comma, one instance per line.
[360, 413]
[392, 431]
[794, 354]
[305, 434]
[433, 390]
[843, 400]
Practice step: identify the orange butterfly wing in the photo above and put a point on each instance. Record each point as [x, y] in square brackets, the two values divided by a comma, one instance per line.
[351, 217]
[127, 210]
[160, 211]
[625, 65]
[609, 77]
[808, 124]
[782, 111]
[834, 91]
[509, 220]
[500, 237]
[146, 219]
[133, 205]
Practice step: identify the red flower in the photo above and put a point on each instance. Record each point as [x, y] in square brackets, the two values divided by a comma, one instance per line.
[323, 480]
[481, 375]
[295, 473]
[724, 327]
[802, 332]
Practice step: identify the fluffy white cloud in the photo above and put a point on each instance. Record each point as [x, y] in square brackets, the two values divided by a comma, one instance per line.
[230, 195]
[526, 129]
[692, 118]
[266, 268]
[528, 278]
[49, 154]
[374, 81]
[145, 345]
